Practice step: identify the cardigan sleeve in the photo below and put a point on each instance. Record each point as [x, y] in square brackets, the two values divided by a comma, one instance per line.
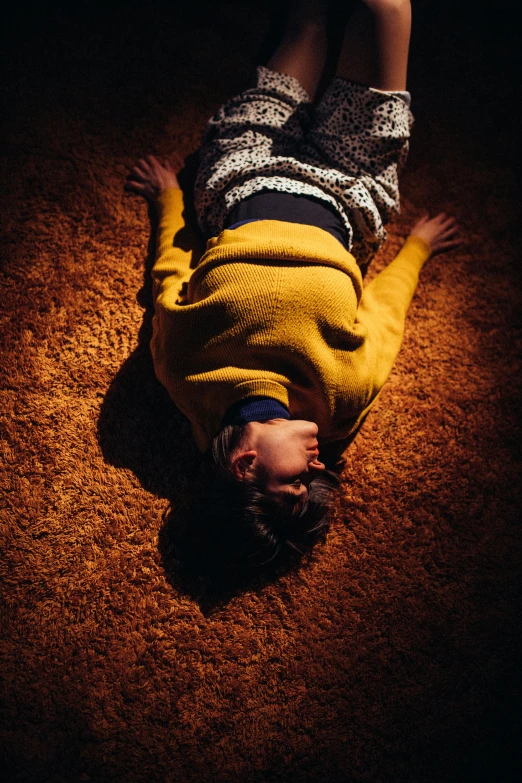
[176, 245]
[384, 304]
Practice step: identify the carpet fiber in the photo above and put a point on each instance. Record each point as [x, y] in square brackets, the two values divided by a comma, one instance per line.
[393, 655]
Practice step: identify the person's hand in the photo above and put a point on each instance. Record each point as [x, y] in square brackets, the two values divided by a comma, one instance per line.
[149, 177]
[441, 232]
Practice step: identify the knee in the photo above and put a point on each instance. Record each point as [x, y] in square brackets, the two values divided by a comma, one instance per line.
[309, 30]
[387, 7]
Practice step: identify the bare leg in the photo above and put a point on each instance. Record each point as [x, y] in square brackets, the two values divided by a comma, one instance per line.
[375, 45]
[302, 51]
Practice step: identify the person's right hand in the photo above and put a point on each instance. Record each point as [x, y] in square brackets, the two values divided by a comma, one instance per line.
[441, 232]
[149, 177]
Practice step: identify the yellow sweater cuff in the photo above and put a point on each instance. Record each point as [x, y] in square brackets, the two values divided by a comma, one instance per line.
[417, 248]
[169, 198]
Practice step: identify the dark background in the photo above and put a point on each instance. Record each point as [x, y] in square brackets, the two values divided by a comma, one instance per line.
[394, 656]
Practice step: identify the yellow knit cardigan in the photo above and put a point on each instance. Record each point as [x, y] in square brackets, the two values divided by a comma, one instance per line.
[275, 309]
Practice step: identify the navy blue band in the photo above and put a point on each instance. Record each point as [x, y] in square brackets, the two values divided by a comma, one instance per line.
[242, 223]
[255, 409]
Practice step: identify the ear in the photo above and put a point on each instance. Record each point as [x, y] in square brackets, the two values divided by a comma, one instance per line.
[242, 463]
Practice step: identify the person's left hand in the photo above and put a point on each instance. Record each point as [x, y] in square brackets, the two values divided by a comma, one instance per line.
[149, 177]
[441, 232]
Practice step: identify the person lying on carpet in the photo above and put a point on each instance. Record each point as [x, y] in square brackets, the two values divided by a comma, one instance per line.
[271, 346]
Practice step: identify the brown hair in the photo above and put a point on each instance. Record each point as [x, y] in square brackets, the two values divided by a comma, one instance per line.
[244, 526]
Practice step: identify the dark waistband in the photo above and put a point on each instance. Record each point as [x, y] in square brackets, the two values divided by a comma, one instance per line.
[290, 207]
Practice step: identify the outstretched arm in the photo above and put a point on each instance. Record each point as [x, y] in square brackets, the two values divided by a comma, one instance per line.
[386, 299]
[158, 185]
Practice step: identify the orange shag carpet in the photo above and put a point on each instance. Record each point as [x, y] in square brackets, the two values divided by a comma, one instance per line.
[393, 655]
